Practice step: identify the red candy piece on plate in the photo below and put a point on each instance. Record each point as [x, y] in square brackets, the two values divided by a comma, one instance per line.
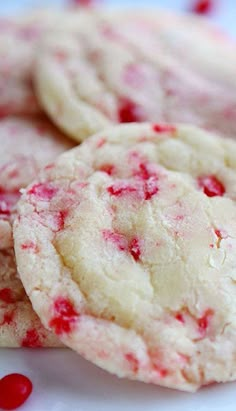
[202, 6]
[14, 391]
[82, 3]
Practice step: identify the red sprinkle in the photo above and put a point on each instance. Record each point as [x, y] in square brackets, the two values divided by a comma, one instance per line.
[163, 372]
[101, 142]
[129, 112]
[203, 322]
[30, 245]
[14, 391]
[134, 248]
[119, 189]
[43, 191]
[163, 128]
[65, 316]
[145, 172]
[150, 188]
[202, 6]
[118, 239]
[6, 295]
[179, 317]
[211, 186]
[133, 361]
[31, 339]
[82, 3]
[8, 318]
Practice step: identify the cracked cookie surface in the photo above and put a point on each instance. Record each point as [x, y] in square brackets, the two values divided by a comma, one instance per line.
[131, 238]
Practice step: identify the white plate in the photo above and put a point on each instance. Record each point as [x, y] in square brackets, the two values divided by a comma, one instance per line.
[65, 382]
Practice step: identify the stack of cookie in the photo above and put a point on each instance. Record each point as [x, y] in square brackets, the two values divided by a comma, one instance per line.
[126, 244]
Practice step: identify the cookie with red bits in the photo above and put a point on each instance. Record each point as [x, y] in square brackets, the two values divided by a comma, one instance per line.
[27, 144]
[19, 324]
[135, 66]
[131, 238]
[19, 42]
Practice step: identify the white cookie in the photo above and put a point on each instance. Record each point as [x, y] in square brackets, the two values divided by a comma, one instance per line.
[133, 67]
[131, 238]
[27, 144]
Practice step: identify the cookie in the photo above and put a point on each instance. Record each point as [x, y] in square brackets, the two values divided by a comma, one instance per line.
[19, 325]
[27, 143]
[135, 67]
[131, 238]
[19, 41]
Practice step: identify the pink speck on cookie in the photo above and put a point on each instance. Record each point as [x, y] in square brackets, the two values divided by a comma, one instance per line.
[204, 321]
[145, 171]
[133, 362]
[150, 188]
[179, 317]
[135, 248]
[121, 188]
[117, 239]
[64, 317]
[164, 128]
[211, 186]
[42, 191]
[30, 245]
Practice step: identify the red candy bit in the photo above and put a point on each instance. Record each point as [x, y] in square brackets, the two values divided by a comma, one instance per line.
[133, 362]
[31, 340]
[30, 245]
[129, 112]
[101, 142]
[164, 128]
[118, 239]
[150, 188]
[61, 217]
[211, 186]
[202, 6]
[179, 317]
[120, 189]
[15, 389]
[203, 322]
[135, 249]
[145, 171]
[8, 318]
[82, 3]
[43, 191]
[163, 372]
[65, 316]
[6, 295]
[108, 168]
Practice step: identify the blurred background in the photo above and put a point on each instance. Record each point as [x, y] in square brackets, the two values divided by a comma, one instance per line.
[223, 12]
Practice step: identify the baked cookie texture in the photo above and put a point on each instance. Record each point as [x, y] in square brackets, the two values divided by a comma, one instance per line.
[138, 66]
[19, 42]
[131, 238]
[27, 144]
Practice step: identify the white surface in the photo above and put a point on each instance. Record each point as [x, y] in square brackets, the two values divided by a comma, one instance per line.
[65, 382]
